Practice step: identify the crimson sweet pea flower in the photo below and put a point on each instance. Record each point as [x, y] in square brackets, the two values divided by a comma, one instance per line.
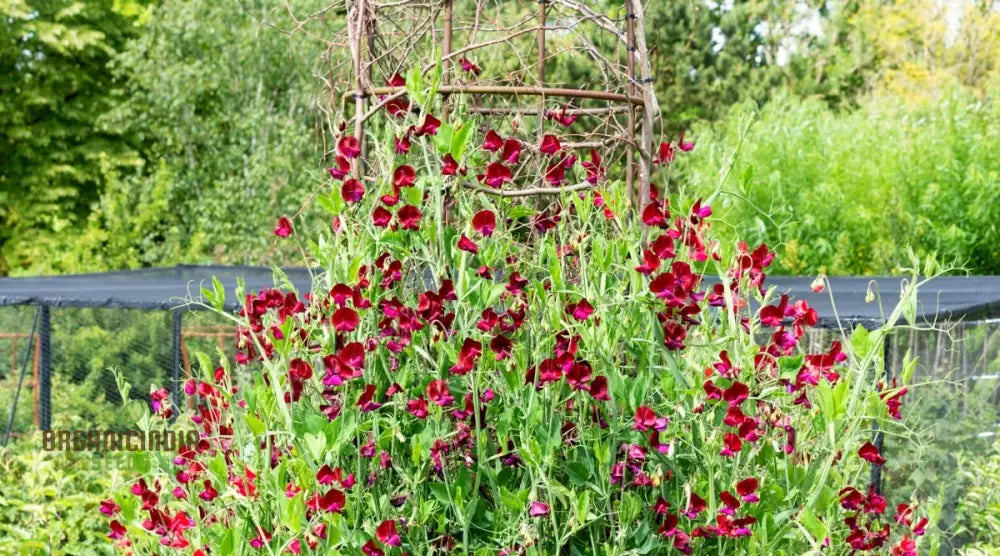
[333, 501]
[599, 389]
[665, 154]
[484, 222]
[468, 66]
[511, 151]
[581, 310]
[409, 217]
[325, 475]
[870, 453]
[732, 444]
[404, 176]
[437, 392]
[366, 400]
[466, 244]
[372, 549]
[429, 127]
[117, 530]
[645, 418]
[345, 319]
[747, 489]
[467, 357]
[449, 166]
[736, 393]
[685, 147]
[381, 217]
[538, 509]
[208, 493]
[650, 263]
[352, 191]
[109, 507]
[401, 145]
[561, 116]
[386, 533]
[349, 146]
[851, 498]
[417, 407]
[730, 503]
[496, 175]
[339, 171]
[653, 215]
[493, 142]
[595, 171]
[284, 227]
[695, 506]
[550, 145]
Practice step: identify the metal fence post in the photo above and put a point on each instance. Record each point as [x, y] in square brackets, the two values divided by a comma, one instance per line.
[176, 371]
[45, 370]
[875, 481]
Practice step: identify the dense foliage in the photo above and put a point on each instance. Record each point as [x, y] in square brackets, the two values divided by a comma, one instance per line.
[845, 193]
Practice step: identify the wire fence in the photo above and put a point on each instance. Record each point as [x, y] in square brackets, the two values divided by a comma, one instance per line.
[60, 375]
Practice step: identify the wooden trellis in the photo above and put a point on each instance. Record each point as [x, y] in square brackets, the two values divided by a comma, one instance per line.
[634, 95]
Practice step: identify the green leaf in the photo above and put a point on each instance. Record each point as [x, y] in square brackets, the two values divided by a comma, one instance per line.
[813, 525]
[316, 444]
[255, 424]
[460, 141]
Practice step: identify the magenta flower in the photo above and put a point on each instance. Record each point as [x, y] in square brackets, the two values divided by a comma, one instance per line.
[581, 310]
[493, 142]
[352, 191]
[468, 66]
[417, 407]
[349, 147]
[511, 151]
[550, 145]
[437, 392]
[496, 175]
[538, 509]
[386, 533]
[284, 227]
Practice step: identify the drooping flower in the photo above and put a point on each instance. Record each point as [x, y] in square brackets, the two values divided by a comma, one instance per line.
[366, 402]
[284, 227]
[429, 127]
[732, 444]
[341, 169]
[665, 154]
[401, 145]
[349, 147]
[562, 116]
[870, 453]
[466, 244]
[484, 222]
[449, 166]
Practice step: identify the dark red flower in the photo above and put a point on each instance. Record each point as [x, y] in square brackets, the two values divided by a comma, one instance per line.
[496, 175]
[418, 407]
[484, 222]
[581, 310]
[381, 217]
[493, 142]
[468, 66]
[386, 532]
[449, 166]
[599, 388]
[466, 244]
[352, 191]
[732, 444]
[645, 418]
[747, 489]
[595, 171]
[665, 154]
[695, 506]
[117, 530]
[851, 498]
[736, 393]
[437, 392]
[345, 319]
[561, 116]
[511, 151]
[339, 171]
[349, 147]
[685, 147]
[401, 145]
[366, 400]
[284, 227]
[429, 127]
[550, 145]
[372, 549]
[409, 217]
[870, 453]
[333, 501]
[404, 176]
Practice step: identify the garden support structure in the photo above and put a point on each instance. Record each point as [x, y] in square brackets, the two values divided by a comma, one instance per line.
[176, 369]
[45, 369]
[638, 90]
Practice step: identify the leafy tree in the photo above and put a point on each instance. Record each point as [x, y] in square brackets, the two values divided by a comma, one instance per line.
[54, 58]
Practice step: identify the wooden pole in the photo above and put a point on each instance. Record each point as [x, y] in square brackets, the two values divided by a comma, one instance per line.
[540, 40]
[359, 86]
[446, 54]
[630, 90]
[650, 108]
